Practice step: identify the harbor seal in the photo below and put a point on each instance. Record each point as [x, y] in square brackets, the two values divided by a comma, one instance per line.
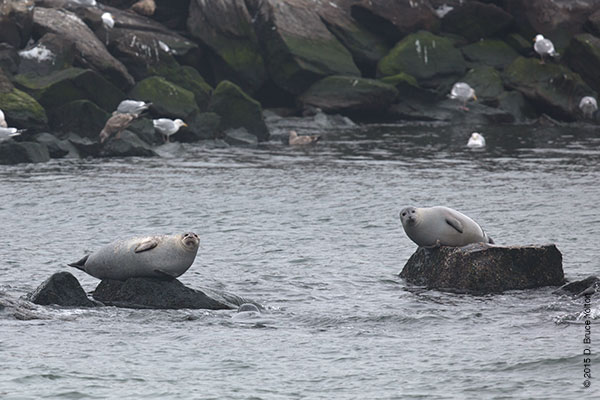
[163, 257]
[441, 226]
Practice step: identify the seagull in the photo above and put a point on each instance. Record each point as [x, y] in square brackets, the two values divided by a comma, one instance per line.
[167, 127]
[7, 133]
[3, 120]
[295, 140]
[108, 21]
[132, 107]
[544, 46]
[476, 141]
[116, 124]
[588, 106]
[463, 92]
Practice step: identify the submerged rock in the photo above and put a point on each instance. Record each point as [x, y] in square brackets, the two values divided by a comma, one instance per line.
[62, 289]
[154, 293]
[481, 268]
[587, 286]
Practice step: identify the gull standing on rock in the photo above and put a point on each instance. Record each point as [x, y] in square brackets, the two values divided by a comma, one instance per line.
[167, 127]
[132, 107]
[588, 106]
[463, 92]
[108, 22]
[295, 140]
[544, 46]
[476, 141]
[116, 124]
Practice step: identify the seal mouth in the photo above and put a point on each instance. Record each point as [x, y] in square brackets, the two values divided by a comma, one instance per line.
[190, 239]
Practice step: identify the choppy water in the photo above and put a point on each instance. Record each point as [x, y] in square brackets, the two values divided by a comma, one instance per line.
[313, 235]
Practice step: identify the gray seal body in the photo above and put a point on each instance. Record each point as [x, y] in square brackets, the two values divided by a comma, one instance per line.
[441, 226]
[163, 257]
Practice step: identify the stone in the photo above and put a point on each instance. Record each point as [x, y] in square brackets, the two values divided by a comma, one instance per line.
[297, 47]
[189, 78]
[589, 285]
[592, 24]
[62, 289]
[349, 95]
[168, 99]
[91, 51]
[68, 85]
[12, 152]
[22, 110]
[583, 56]
[552, 88]
[480, 268]
[515, 103]
[518, 43]
[80, 116]
[9, 59]
[50, 53]
[127, 145]
[201, 126]
[240, 137]
[424, 56]
[238, 110]
[494, 53]
[16, 21]
[474, 20]
[57, 148]
[226, 28]
[85, 147]
[157, 294]
[487, 83]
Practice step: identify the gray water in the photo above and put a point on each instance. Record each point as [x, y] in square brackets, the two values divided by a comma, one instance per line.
[313, 235]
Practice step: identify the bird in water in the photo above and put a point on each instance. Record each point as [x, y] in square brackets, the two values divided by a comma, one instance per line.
[543, 47]
[167, 127]
[296, 140]
[588, 106]
[476, 141]
[132, 107]
[116, 124]
[463, 92]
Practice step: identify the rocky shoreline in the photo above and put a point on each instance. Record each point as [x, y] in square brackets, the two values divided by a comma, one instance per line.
[220, 65]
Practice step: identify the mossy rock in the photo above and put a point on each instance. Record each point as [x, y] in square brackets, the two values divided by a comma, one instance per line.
[583, 55]
[519, 44]
[424, 56]
[189, 78]
[494, 53]
[12, 152]
[238, 110]
[347, 94]
[80, 116]
[400, 79]
[22, 110]
[68, 85]
[475, 20]
[552, 88]
[487, 83]
[168, 99]
[201, 126]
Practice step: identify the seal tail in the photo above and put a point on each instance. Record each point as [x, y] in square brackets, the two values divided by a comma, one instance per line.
[79, 264]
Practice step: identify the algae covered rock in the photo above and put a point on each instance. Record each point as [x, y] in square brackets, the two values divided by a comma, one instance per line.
[238, 110]
[347, 94]
[474, 20]
[494, 53]
[424, 56]
[68, 85]
[298, 48]
[189, 78]
[167, 98]
[487, 83]
[201, 126]
[481, 268]
[551, 87]
[583, 56]
[22, 110]
[12, 152]
[80, 116]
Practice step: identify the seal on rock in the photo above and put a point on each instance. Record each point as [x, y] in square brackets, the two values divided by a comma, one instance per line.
[163, 257]
[441, 226]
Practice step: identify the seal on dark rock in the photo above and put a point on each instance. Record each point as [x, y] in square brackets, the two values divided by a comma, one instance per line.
[163, 257]
[441, 226]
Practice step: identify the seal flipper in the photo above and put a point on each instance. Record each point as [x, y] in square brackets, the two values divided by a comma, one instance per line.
[146, 245]
[164, 276]
[80, 264]
[456, 224]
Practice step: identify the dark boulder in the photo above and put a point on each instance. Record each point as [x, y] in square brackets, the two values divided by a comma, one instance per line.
[128, 144]
[21, 109]
[157, 294]
[486, 82]
[50, 53]
[12, 152]
[16, 21]
[80, 116]
[474, 20]
[86, 147]
[480, 268]
[587, 286]
[494, 53]
[62, 289]
[57, 148]
[583, 56]
[168, 99]
[201, 126]
[9, 59]
[593, 23]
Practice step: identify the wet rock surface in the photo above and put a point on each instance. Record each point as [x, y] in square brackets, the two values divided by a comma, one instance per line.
[62, 289]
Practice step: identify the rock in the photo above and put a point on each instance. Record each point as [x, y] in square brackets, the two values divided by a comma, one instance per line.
[593, 23]
[240, 137]
[168, 99]
[71, 84]
[62, 289]
[587, 286]
[127, 145]
[395, 19]
[481, 268]
[550, 87]
[424, 56]
[583, 56]
[144, 129]
[22, 110]
[144, 7]
[494, 53]
[474, 21]
[57, 148]
[157, 294]
[80, 116]
[201, 126]
[226, 28]
[521, 45]
[349, 95]
[9, 59]
[189, 78]
[16, 21]
[50, 53]
[487, 84]
[90, 50]
[12, 152]
[238, 110]
[297, 47]
[515, 104]
[85, 147]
